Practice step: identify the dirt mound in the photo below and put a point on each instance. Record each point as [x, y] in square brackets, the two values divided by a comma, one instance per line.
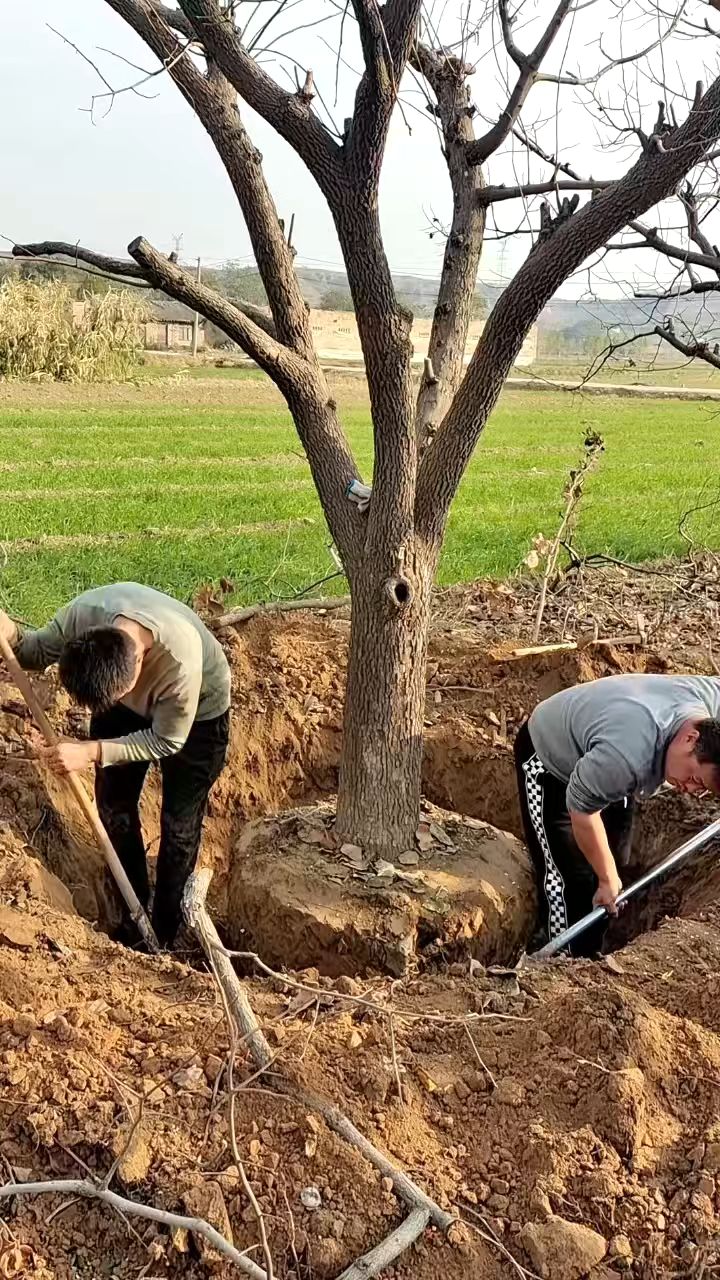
[300, 901]
[570, 1096]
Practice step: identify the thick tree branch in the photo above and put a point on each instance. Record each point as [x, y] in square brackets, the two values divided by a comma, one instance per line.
[698, 286]
[303, 385]
[495, 195]
[277, 361]
[654, 240]
[125, 271]
[653, 178]
[529, 68]
[290, 114]
[709, 352]
[123, 268]
[213, 101]
[174, 18]
[387, 35]
[447, 77]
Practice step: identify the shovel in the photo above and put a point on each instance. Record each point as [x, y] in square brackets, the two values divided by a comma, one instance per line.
[115, 866]
[668, 864]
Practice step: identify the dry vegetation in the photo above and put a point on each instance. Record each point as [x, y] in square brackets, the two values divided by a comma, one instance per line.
[41, 337]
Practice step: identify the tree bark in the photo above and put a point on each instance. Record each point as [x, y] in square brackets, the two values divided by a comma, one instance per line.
[379, 795]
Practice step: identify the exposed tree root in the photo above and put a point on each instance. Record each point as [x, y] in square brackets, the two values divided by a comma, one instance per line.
[133, 1208]
[423, 1210]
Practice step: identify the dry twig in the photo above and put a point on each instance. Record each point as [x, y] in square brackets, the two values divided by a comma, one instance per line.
[133, 1208]
[423, 1209]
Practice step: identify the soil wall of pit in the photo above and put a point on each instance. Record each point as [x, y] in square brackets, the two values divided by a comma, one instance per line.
[288, 686]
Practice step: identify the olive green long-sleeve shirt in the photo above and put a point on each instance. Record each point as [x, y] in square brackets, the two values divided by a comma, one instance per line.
[184, 677]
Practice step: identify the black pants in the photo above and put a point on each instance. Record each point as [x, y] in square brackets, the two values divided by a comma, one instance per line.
[566, 881]
[187, 778]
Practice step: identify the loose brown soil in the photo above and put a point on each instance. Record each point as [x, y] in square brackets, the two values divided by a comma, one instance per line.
[571, 1096]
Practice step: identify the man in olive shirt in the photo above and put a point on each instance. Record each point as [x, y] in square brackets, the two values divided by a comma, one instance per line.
[157, 685]
[582, 758]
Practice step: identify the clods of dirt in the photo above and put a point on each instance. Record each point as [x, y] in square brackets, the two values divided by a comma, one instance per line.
[302, 899]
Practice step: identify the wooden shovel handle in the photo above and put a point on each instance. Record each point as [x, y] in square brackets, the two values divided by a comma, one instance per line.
[87, 805]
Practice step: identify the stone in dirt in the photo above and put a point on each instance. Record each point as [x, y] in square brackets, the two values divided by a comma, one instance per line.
[561, 1250]
[207, 1201]
[135, 1155]
[18, 930]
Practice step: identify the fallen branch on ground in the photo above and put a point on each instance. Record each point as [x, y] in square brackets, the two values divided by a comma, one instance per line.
[237, 616]
[569, 646]
[384, 1254]
[423, 1209]
[88, 1190]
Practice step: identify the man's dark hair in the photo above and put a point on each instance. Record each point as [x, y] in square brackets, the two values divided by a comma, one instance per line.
[98, 667]
[708, 745]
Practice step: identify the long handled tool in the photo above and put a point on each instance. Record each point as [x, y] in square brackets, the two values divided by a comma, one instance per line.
[86, 804]
[668, 864]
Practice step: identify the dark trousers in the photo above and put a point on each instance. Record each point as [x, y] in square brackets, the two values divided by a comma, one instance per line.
[566, 881]
[186, 781]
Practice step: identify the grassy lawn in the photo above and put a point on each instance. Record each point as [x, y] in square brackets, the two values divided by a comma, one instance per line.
[205, 483]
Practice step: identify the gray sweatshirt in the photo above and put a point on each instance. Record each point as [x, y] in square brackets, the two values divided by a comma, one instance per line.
[608, 739]
[185, 675]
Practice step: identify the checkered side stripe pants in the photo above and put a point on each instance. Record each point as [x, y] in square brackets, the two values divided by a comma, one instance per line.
[553, 883]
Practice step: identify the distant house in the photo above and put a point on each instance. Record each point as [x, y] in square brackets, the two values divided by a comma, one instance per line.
[170, 327]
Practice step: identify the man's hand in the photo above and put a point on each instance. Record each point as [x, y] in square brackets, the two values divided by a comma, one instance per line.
[8, 630]
[69, 757]
[607, 892]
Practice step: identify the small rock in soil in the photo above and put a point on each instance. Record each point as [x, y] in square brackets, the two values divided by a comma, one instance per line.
[310, 1198]
[620, 1247]
[352, 852]
[409, 859]
[561, 1250]
[207, 1201]
[423, 838]
[135, 1156]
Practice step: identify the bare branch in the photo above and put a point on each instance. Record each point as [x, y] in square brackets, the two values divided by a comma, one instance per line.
[653, 178]
[288, 113]
[447, 77]
[271, 355]
[174, 19]
[480, 150]
[88, 1190]
[387, 35]
[383, 1255]
[693, 350]
[124, 268]
[124, 271]
[654, 240]
[494, 195]
[213, 100]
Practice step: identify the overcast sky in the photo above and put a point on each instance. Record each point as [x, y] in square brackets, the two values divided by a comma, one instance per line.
[146, 166]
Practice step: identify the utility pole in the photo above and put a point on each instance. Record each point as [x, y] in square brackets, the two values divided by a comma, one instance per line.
[196, 318]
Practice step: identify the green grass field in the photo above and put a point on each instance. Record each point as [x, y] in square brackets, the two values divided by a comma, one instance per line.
[185, 489]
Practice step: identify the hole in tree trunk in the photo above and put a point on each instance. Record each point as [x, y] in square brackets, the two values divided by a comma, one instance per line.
[400, 591]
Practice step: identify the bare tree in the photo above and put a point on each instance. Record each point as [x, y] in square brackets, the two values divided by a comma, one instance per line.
[423, 443]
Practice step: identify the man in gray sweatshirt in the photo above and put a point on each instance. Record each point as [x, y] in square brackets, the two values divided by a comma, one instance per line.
[157, 685]
[582, 758]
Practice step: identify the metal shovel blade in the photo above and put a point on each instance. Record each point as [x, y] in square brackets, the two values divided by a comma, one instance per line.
[668, 864]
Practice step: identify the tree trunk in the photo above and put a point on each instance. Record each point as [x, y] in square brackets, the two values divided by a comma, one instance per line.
[379, 796]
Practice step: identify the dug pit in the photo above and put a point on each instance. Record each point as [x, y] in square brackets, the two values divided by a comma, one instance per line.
[302, 902]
